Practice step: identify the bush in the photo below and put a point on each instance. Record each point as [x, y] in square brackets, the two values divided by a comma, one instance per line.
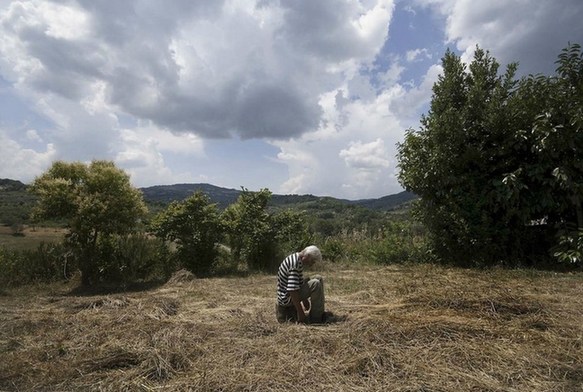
[333, 249]
[193, 225]
[569, 248]
[495, 154]
[48, 263]
[133, 258]
[260, 238]
[400, 242]
[120, 259]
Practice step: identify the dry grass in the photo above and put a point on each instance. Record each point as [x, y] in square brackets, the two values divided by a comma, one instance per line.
[32, 237]
[420, 328]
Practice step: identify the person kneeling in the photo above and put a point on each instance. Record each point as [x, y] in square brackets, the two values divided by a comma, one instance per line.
[296, 295]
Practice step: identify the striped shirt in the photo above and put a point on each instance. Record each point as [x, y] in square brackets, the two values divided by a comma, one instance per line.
[289, 278]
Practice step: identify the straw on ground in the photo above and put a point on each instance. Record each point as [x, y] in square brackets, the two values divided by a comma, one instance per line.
[406, 328]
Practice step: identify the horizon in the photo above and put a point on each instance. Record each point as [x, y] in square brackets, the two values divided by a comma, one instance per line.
[239, 190]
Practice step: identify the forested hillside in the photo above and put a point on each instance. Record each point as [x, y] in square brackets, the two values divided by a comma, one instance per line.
[323, 212]
[165, 194]
[15, 202]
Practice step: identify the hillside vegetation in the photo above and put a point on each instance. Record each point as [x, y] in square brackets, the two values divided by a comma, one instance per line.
[324, 215]
[16, 203]
[164, 194]
[397, 328]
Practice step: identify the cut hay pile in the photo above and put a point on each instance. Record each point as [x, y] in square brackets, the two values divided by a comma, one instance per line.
[181, 276]
[419, 328]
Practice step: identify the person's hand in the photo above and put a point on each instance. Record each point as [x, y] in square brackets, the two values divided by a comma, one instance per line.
[306, 304]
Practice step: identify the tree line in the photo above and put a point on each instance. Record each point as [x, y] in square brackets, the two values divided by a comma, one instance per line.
[103, 211]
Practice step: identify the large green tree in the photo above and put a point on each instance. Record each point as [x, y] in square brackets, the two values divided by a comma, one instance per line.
[556, 143]
[194, 226]
[96, 200]
[495, 154]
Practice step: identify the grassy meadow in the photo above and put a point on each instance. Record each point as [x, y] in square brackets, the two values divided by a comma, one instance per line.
[31, 237]
[395, 328]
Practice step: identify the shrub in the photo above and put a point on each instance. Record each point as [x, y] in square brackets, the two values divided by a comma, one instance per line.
[400, 242]
[119, 259]
[333, 249]
[133, 258]
[569, 248]
[195, 227]
[48, 263]
[260, 238]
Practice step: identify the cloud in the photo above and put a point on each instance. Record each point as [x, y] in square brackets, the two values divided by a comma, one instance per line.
[215, 69]
[531, 32]
[353, 151]
[17, 159]
[365, 156]
[174, 91]
[415, 54]
[142, 82]
[33, 135]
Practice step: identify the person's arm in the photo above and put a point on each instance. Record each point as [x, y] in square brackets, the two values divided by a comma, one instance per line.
[295, 298]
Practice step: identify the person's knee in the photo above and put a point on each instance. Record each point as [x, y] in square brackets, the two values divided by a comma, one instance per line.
[316, 283]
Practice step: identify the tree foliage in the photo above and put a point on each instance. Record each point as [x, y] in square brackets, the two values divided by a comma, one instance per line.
[194, 226]
[495, 154]
[96, 200]
[259, 237]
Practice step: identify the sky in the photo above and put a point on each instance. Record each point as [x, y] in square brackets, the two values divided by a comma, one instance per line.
[297, 96]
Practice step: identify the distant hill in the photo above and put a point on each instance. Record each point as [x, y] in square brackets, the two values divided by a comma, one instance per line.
[16, 203]
[164, 194]
[8, 185]
[386, 203]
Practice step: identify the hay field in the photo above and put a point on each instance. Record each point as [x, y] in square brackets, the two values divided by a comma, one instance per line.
[396, 328]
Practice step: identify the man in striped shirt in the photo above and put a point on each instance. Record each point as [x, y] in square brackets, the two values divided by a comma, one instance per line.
[296, 295]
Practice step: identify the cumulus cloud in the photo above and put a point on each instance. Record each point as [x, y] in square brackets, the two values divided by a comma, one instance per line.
[216, 69]
[33, 135]
[417, 54]
[142, 155]
[365, 156]
[207, 69]
[531, 32]
[353, 151]
[16, 159]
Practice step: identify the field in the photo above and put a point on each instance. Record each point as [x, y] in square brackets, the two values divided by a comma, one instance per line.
[32, 237]
[395, 328]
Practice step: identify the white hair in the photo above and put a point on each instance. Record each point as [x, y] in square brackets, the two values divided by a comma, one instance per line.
[313, 252]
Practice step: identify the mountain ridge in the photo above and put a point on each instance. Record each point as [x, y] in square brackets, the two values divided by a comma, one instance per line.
[225, 196]
[165, 194]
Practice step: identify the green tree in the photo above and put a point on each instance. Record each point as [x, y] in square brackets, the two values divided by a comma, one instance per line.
[446, 162]
[259, 237]
[194, 226]
[96, 200]
[495, 154]
[556, 141]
